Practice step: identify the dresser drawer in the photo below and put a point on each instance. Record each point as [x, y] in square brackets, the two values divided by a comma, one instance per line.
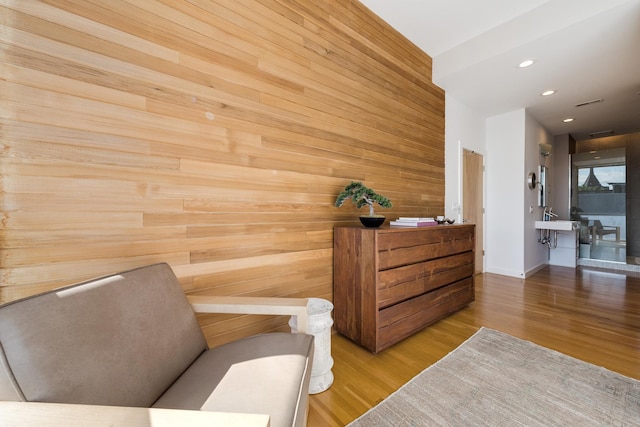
[398, 249]
[402, 283]
[404, 319]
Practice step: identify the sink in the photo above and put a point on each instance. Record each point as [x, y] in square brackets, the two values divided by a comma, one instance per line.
[561, 225]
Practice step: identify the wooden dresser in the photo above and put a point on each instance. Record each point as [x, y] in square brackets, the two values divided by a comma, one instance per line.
[389, 283]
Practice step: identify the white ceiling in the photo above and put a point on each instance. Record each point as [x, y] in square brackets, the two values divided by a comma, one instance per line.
[584, 49]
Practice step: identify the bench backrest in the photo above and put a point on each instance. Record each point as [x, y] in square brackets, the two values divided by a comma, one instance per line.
[117, 340]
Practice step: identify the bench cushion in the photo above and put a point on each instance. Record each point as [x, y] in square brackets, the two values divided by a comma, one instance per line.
[263, 374]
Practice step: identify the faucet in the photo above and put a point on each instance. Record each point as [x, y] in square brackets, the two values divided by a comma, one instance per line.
[548, 214]
[545, 235]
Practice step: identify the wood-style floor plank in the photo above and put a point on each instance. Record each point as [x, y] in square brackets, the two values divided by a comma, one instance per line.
[590, 314]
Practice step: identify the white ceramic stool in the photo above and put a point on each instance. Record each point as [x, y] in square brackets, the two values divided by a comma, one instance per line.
[319, 325]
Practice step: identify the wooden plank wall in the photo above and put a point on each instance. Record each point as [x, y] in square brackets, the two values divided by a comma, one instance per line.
[210, 134]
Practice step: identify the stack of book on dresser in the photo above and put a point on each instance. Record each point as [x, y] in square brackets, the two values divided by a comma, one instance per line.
[413, 222]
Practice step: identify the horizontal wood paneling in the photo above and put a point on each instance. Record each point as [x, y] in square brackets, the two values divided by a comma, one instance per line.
[209, 134]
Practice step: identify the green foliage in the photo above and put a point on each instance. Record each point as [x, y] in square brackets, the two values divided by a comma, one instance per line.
[584, 188]
[361, 196]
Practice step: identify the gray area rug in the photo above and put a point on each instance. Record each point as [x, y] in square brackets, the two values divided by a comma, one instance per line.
[494, 379]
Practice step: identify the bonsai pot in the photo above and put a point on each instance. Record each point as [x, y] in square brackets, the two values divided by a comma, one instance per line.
[372, 221]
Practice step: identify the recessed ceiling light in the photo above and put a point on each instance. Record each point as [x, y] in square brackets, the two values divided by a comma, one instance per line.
[548, 92]
[568, 120]
[525, 64]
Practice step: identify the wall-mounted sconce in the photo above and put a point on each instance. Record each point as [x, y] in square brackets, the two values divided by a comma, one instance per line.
[545, 149]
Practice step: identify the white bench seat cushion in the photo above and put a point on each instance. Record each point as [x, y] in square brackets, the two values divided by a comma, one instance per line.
[260, 374]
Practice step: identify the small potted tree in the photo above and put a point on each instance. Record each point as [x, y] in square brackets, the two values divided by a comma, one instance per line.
[361, 195]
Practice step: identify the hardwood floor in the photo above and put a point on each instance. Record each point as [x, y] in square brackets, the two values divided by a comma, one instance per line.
[590, 314]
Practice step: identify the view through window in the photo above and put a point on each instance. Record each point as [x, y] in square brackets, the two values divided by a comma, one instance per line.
[600, 207]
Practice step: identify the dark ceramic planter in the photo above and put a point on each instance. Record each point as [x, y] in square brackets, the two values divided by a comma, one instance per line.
[372, 221]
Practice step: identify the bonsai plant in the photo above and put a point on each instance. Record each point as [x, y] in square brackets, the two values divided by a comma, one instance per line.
[361, 195]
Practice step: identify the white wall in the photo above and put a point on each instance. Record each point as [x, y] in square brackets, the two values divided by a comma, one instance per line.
[505, 163]
[536, 255]
[509, 145]
[464, 129]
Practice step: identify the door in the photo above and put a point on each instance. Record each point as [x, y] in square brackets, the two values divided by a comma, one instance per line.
[472, 199]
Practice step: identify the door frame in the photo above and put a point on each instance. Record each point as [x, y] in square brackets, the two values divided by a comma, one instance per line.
[480, 234]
